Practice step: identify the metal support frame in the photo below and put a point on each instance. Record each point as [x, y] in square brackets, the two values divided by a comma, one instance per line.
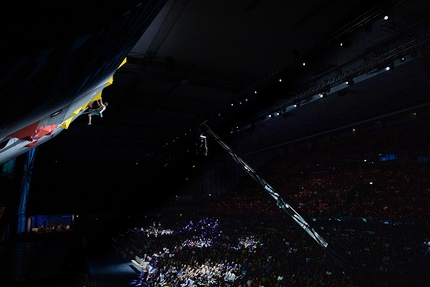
[350, 268]
[25, 189]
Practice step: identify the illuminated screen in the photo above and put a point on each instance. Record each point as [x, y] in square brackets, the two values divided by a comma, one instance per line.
[387, 157]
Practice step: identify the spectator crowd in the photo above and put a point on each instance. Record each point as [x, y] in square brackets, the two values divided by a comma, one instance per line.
[375, 212]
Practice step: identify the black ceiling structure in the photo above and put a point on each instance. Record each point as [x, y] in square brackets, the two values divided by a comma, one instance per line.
[220, 62]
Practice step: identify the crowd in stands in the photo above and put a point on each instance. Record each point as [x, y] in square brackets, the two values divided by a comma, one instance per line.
[375, 213]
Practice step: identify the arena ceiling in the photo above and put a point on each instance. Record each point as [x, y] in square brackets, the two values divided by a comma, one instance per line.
[202, 61]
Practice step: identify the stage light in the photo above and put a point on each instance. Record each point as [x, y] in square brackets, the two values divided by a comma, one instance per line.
[389, 67]
[345, 43]
[322, 94]
[350, 82]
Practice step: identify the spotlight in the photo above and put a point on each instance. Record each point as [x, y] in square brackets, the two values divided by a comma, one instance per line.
[350, 82]
[389, 66]
[345, 43]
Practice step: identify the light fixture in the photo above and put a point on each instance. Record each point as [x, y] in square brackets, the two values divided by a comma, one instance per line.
[350, 82]
[345, 43]
[389, 67]
[324, 92]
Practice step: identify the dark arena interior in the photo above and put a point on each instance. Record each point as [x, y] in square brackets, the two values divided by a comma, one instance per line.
[250, 143]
